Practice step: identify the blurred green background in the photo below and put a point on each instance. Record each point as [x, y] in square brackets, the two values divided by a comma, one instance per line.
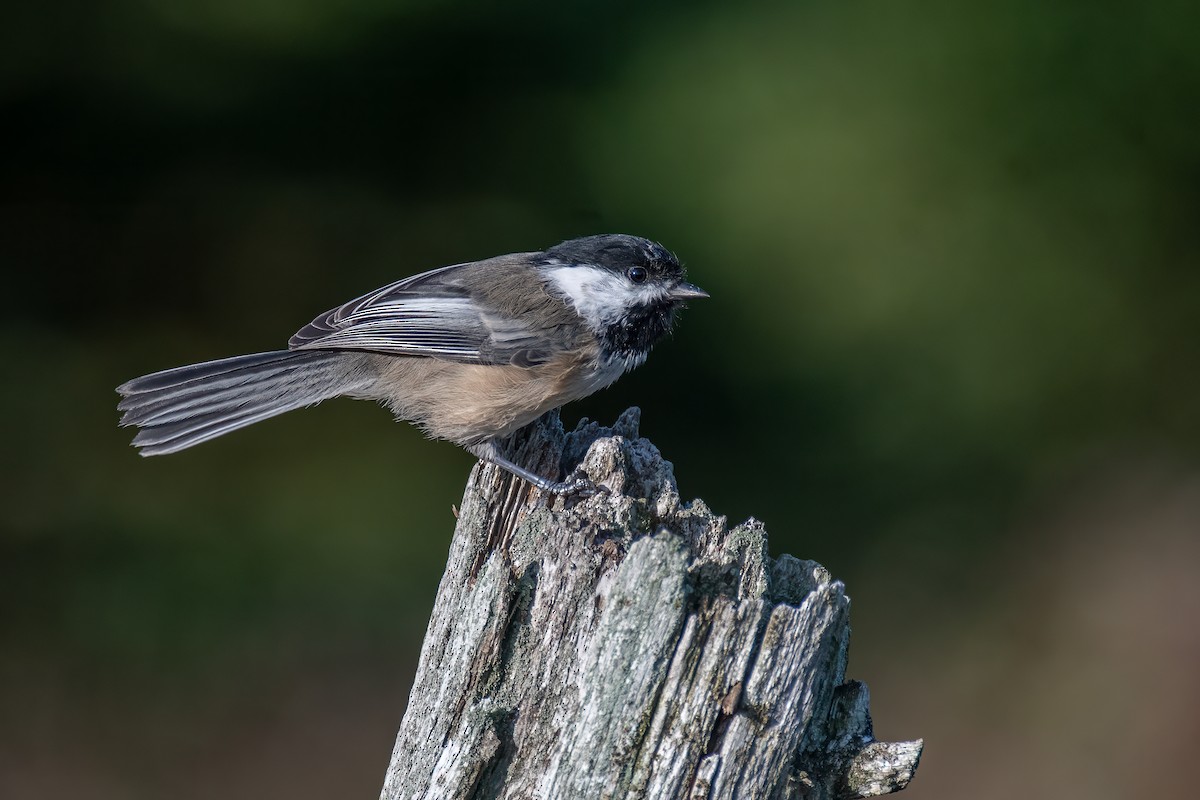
[951, 353]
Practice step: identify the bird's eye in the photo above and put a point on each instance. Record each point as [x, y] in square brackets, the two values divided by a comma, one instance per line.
[637, 274]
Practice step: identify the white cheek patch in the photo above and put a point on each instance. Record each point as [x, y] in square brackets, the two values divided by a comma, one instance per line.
[602, 297]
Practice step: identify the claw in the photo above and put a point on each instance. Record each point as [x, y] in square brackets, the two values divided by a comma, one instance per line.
[578, 484]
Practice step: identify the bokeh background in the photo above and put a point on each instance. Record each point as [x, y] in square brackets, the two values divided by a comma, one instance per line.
[952, 350]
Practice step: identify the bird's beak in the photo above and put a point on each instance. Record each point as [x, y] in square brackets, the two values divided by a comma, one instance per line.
[687, 291]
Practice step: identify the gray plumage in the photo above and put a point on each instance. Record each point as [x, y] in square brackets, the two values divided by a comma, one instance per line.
[469, 352]
[182, 407]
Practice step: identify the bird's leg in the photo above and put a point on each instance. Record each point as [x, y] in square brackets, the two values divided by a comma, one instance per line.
[577, 483]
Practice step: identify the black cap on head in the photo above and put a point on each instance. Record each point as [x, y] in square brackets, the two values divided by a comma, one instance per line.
[618, 252]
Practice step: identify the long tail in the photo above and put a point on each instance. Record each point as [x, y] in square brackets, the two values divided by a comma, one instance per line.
[181, 407]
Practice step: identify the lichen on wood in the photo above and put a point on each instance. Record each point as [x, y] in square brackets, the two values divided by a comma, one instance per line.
[630, 645]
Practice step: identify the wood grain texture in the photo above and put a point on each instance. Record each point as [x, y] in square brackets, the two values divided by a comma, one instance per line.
[630, 645]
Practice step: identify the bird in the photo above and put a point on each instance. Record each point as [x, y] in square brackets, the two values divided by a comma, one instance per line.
[469, 353]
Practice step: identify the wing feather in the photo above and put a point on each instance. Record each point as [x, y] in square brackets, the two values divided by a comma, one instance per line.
[433, 314]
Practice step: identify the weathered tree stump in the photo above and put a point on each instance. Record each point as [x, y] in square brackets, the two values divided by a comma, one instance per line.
[629, 645]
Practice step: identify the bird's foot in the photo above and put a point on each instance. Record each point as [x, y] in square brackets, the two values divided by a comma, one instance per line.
[577, 484]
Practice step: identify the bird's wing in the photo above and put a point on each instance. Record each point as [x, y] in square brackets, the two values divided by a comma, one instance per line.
[432, 314]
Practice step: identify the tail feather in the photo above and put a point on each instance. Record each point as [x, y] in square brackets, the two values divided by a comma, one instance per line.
[176, 402]
[176, 377]
[178, 408]
[157, 440]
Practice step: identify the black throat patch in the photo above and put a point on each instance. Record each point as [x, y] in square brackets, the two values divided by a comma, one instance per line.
[638, 331]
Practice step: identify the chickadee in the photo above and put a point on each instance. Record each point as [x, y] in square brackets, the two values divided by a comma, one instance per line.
[469, 353]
